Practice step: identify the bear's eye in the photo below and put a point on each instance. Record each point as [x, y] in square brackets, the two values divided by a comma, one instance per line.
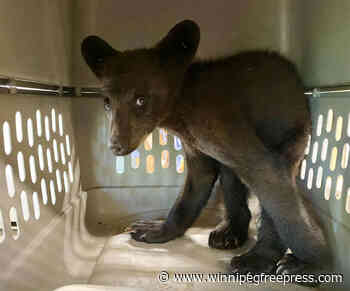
[140, 101]
[107, 104]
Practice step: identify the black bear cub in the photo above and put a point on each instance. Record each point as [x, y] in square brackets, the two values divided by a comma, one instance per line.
[243, 119]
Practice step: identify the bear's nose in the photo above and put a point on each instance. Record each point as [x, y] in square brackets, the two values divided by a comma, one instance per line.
[116, 146]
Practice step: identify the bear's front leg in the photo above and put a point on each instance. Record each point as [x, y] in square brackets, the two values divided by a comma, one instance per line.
[233, 231]
[201, 176]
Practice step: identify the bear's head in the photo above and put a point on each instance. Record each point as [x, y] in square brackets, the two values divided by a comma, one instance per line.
[141, 86]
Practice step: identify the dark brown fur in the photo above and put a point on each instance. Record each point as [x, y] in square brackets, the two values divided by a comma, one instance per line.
[243, 119]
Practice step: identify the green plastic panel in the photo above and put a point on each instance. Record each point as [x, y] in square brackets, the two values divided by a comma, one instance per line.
[326, 174]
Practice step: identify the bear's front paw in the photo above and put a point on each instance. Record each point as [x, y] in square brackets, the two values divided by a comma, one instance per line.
[153, 231]
[227, 237]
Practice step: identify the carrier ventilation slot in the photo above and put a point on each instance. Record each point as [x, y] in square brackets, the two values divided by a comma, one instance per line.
[10, 181]
[25, 206]
[2, 228]
[7, 138]
[14, 223]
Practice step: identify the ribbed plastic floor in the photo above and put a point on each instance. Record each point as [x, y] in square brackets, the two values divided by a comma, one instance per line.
[125, 263]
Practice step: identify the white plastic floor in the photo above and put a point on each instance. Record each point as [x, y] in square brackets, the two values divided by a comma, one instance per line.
[124, 264]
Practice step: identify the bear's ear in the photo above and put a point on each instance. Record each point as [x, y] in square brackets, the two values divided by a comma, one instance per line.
[181, 42]
[95, 50]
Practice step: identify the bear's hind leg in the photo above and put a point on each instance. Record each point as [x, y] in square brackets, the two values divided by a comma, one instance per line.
[268, 175]
[268, 250]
